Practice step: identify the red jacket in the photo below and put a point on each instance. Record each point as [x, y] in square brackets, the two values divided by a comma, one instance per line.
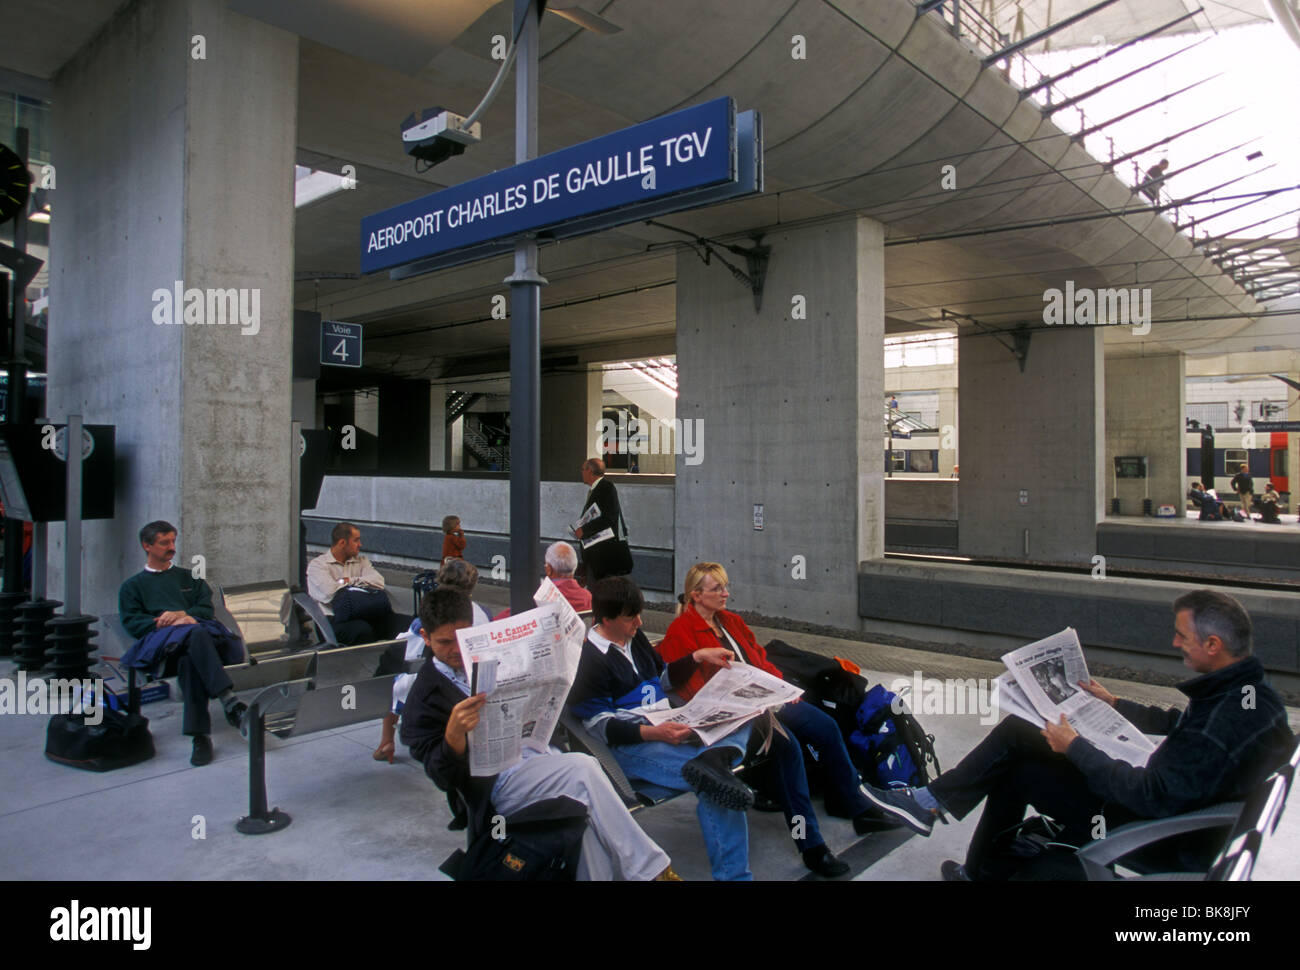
[689, 632]
[453, 547]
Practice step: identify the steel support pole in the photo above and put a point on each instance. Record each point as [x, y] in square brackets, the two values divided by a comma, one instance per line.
[525, 342]
[72, 541]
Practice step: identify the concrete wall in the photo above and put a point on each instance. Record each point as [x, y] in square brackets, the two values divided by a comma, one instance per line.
[1144, 416]
[483, 505]
[1040, 430]
[176, 169]
[791, 410]
[921, 498]
[570, 418]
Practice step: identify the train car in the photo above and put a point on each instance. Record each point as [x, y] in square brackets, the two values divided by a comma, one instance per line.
[1267, 461]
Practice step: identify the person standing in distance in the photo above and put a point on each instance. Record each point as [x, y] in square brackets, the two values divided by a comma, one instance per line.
[605, 548]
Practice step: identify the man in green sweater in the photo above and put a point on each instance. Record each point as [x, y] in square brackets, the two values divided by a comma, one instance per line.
[169, 611]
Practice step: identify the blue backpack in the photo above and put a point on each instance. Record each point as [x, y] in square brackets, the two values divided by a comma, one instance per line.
[890, 748]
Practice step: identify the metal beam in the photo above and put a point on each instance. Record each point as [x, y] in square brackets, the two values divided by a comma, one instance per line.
[1045, 82]
[1070, 102]
[1079, 136]
[1046, 32]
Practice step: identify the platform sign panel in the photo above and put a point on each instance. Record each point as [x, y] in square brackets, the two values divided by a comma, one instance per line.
[340, 344]
[680, 152]
[1276, 425]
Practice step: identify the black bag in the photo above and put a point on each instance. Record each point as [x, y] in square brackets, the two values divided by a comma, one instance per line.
[826, 684]
[541, 842]
[1032, 852]
[117, 741]
[425, 582]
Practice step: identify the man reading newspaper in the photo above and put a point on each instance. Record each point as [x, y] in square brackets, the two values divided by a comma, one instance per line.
[620, 694]
[441, 715]
[1231, 736]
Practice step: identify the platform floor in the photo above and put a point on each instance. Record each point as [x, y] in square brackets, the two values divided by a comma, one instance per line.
[358, 819]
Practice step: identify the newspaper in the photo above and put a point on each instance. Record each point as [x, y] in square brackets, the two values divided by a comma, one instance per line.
[732, 696]
[1047, 674]
[526, 665]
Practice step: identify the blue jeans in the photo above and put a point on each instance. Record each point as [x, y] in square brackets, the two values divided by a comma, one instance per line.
[818, 730]
[726, 833]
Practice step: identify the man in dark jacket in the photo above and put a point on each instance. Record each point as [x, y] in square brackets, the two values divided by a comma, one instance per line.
[1231, 736]
[437, 720]
[169, 610]
[1244, 486]
[605, 550]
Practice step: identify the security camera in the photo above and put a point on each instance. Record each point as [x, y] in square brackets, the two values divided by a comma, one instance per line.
[437, 135]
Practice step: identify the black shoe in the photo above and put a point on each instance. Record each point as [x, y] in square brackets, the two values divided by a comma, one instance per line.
[235, 715]
[954, 872]
[899, 803]
[202, 753]
[710, 776]
[823, 862]
[873, 820]
[764, 804]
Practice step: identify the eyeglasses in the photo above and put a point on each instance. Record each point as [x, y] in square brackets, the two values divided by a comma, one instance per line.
[716, 589]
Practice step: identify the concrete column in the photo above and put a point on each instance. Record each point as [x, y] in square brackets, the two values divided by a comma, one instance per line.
[1145, 415]
[784, 408]
[948, 437]
[174, 139]
[437, 428]
[456, 445]
[570, 423]
[1040, 431]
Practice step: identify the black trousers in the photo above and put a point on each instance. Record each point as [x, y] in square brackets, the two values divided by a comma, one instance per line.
[1015, 768]
[202, 677]
[355, 631]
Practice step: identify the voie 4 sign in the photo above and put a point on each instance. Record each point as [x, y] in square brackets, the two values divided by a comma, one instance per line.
[679, 152]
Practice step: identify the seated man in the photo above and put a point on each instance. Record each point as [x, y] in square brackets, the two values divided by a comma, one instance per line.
[561, 563]
[1232, 735]
[1268, 505]
[169, 611]
[350, 589]
[619, 677]
[1211, 508]
[436, 721]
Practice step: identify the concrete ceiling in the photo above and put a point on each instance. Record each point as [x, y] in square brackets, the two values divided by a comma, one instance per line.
[862, 124]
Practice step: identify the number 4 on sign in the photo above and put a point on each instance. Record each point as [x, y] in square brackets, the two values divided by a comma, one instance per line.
[340, 350]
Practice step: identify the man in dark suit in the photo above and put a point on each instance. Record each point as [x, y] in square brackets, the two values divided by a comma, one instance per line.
[440, 714]
[605, 550]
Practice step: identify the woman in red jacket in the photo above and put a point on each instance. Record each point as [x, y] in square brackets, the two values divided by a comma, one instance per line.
[706, 622]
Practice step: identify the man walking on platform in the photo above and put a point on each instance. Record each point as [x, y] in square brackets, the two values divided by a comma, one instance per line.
[601, 529]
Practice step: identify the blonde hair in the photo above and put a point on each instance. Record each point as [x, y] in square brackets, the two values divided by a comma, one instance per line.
[449, 522]
[697, 574]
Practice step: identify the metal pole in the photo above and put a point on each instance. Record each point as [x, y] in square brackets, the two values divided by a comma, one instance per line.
[17, 384]
[525, 342]
[40, 532]
[72, 543]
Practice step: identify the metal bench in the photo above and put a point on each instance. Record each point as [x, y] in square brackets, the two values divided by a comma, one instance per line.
[324, 622]
[1252, 822]
[310, 692]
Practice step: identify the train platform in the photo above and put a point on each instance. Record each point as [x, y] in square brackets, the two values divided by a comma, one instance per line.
[358, 819]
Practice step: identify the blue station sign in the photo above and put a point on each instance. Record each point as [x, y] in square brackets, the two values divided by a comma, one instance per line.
[680, 152]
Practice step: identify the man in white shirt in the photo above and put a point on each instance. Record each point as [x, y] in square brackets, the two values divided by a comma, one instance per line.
[363, 613]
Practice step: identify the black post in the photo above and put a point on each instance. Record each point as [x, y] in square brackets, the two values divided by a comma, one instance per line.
[525, 343]
[16, 308]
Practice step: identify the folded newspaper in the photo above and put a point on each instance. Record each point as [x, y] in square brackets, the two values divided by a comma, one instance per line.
[526, 665]
[732, 696]
[1042, 683]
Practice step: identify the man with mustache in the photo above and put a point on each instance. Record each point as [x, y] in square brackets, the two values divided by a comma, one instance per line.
[169, 611]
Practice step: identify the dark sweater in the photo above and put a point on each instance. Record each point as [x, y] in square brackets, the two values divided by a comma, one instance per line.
[145, 596]
[1232, 735]
[607, 684]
